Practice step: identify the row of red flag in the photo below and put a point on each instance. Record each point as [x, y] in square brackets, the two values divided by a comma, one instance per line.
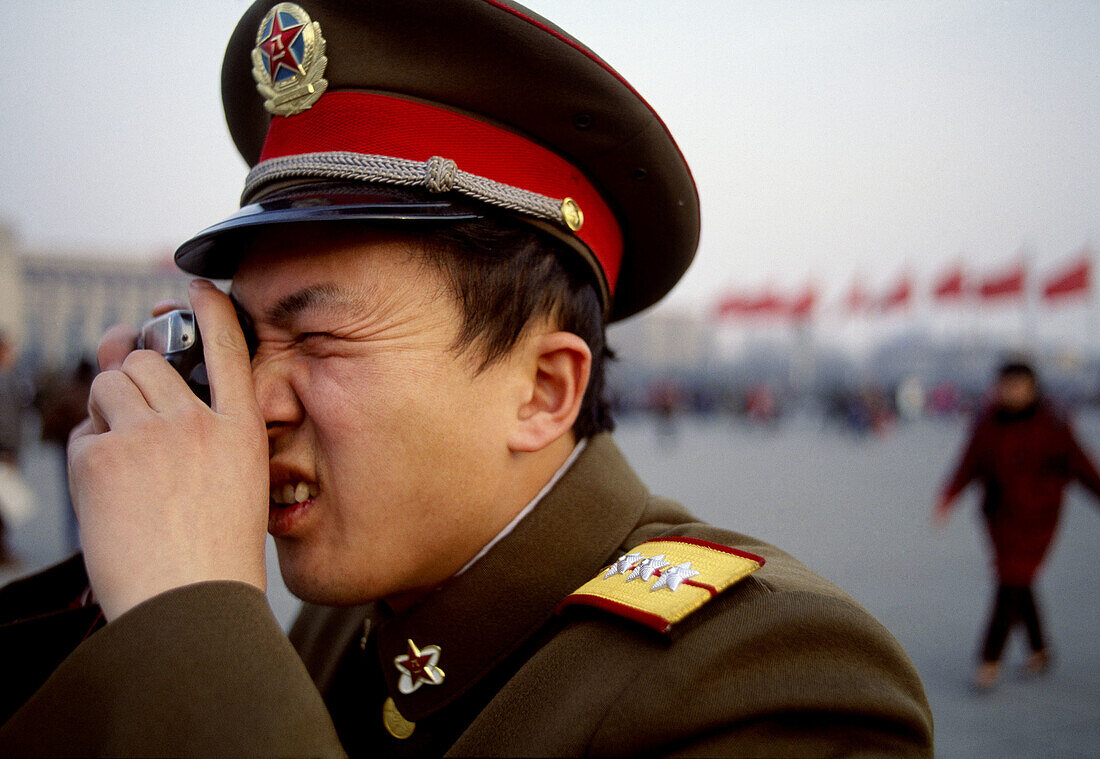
[1070, 282]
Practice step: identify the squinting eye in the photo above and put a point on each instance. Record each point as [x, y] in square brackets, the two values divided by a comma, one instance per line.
[313, 340]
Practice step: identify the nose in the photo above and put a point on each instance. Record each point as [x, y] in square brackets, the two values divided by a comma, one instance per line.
[279, 403]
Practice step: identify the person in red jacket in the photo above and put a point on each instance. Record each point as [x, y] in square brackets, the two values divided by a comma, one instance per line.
[1023, 454]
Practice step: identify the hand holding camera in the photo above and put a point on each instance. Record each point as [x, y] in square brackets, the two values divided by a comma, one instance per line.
[175, 336]
[168, 490]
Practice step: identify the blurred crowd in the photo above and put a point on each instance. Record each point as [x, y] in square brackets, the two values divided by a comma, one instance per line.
[868, 408]
[35, 407]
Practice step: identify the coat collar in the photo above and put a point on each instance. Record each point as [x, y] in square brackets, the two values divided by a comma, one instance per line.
[479, 617]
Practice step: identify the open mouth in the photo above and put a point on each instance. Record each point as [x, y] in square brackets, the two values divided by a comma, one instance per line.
[292, 493]
[292, 504]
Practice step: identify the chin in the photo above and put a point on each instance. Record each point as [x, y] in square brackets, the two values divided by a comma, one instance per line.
[326, 591]
[317, 581]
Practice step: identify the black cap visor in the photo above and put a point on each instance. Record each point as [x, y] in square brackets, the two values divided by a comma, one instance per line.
[216, 252]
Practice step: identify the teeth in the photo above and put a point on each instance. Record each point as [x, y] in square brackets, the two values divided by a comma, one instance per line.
[290, 493]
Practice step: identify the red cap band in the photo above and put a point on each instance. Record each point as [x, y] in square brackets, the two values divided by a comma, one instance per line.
[374, 124]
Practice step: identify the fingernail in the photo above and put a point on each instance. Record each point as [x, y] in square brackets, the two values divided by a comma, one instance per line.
[201, 283]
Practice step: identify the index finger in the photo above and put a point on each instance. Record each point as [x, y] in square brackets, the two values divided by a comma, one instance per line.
[117, 343]
[166, 305]
[228, 364]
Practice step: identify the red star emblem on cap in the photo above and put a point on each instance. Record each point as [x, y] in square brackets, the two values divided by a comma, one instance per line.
[276, 45]
[417, 667]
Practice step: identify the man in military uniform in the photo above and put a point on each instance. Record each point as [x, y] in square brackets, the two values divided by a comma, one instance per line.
[447, 202]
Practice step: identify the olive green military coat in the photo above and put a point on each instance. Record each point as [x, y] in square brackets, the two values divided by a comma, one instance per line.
[781, 664]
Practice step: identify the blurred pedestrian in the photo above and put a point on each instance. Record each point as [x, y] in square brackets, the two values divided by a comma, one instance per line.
[664, 401]
[12, 401]
[64, 405]
[760, 406]
[1023, 454]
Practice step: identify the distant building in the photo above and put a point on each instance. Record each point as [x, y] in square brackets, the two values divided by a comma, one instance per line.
[664, 340]
[11, 284]
[58, 303]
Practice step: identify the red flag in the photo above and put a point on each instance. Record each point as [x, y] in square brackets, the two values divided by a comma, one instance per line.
[951, 284]
[765, 304]
[857, 300]
[802, 307]
[899, 295]
[768, 304]
[1008, 284]
[1075, 279]
[730, 306]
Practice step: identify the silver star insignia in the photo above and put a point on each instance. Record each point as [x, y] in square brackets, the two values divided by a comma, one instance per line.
[672, 577]
[622, 565]
[647, 567]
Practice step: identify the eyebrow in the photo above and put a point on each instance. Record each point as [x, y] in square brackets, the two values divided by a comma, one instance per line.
[327, 296]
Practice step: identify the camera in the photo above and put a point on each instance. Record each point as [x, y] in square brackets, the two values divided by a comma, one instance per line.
[175, 335]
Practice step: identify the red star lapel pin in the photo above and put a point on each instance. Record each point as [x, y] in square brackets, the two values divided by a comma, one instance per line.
[417, 667]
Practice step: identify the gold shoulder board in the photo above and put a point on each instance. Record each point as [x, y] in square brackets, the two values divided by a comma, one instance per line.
[664, 580]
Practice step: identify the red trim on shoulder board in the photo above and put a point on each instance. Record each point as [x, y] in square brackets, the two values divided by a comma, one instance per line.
[652, 621]
[716, 546]
[708, 588]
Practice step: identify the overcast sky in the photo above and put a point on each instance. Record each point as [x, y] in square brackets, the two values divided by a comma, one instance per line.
[828, 139]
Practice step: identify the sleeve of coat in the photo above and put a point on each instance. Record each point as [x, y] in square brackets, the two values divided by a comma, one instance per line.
[967, 467]
[1081, 466]
[42, 620]
[203, 670]
[794, 674]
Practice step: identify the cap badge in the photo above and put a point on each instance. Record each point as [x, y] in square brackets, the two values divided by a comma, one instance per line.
[417, 667]
[288, 61]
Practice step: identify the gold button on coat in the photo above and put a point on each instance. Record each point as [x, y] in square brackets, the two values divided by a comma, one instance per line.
[395, 722]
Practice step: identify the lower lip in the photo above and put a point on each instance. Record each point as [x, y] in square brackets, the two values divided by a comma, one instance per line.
[283, 520]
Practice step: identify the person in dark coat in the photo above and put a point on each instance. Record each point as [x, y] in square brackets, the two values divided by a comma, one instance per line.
[13, 392]
[1023, 454]
[63, 405]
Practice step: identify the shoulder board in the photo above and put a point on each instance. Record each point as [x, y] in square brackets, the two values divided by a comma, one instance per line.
[664, 580]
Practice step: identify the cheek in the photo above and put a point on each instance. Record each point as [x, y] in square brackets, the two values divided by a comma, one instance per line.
[336, 395]
[388, 426]
[412, 427]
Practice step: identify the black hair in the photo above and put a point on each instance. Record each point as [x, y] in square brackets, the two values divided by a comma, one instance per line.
[505, 275]
[1016, 368]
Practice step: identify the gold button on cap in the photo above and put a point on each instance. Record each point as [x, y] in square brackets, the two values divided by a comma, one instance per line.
[395, 723]
[571, 214]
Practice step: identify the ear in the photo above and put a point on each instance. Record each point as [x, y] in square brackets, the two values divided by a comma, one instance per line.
[556, 368]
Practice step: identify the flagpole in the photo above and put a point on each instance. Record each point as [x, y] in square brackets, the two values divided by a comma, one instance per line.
[1029, 308]
[1092, 318]
[972, 315]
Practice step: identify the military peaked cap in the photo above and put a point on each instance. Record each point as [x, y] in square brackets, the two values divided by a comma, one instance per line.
[480, 106]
